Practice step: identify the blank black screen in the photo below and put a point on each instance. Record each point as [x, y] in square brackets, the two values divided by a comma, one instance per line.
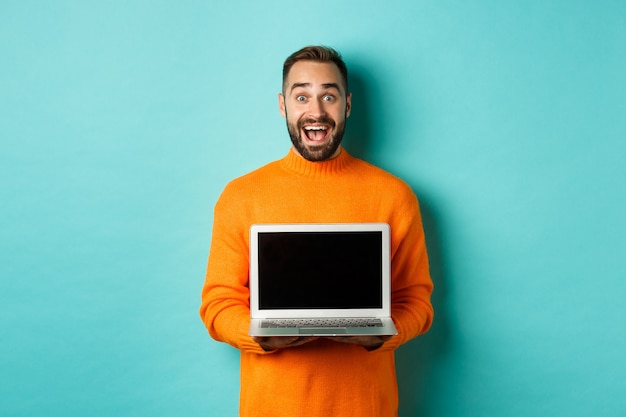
[320, 270]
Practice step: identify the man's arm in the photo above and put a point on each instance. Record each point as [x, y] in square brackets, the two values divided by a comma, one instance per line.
[411, 284]
[225, 308]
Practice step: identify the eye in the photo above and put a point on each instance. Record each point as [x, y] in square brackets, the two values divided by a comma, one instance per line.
[329, 98]
[300, 98]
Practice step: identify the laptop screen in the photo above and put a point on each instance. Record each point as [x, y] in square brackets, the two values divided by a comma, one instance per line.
[320, 270]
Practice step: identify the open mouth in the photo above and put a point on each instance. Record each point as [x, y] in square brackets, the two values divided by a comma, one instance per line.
[316, 133]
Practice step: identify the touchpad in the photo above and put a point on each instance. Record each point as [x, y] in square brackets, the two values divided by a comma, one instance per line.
[322, 330]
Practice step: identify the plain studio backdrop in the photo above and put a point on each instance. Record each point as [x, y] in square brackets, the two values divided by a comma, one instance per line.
[122, 121]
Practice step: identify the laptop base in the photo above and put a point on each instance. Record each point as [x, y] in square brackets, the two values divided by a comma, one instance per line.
[388, 328]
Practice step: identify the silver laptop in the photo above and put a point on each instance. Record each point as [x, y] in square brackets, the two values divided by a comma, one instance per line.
[320, 280]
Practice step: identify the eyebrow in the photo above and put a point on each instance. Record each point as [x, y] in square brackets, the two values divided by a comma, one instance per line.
[327, 86]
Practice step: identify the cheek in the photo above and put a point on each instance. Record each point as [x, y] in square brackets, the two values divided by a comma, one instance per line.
[294, 115]
[341, 114]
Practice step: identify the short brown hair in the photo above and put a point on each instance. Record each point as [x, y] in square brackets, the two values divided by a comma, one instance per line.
[317, 54]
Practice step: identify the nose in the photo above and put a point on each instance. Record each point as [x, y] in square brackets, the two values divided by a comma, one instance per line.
[316, 108]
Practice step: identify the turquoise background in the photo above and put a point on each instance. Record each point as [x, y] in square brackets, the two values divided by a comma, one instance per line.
[121, 122]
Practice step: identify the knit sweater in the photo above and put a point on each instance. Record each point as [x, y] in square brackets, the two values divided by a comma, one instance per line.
[321, 378]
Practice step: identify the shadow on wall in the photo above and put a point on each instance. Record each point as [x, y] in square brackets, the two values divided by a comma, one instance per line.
[416, 361]
[357, 139]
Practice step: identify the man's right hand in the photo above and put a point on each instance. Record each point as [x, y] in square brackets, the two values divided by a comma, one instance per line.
[280, 342]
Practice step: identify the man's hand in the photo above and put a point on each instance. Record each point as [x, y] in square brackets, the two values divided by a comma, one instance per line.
[368, 342]
[280, 342]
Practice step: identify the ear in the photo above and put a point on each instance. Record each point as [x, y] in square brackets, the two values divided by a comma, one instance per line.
[348, 104]
[281, 105]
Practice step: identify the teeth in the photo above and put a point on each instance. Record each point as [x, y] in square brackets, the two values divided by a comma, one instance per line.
[315, 128]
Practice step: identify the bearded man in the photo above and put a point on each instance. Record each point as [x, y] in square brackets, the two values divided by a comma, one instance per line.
[316, 182]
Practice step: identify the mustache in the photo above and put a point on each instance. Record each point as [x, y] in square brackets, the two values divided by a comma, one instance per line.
[322, 120]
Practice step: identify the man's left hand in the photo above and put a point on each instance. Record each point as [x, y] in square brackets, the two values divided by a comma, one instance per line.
[368, 342]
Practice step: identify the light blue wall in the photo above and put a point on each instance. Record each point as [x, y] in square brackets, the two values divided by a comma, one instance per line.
[120, 123]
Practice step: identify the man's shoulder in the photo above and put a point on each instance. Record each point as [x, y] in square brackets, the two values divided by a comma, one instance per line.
[252, 179]
[260, 171]
[378, 174]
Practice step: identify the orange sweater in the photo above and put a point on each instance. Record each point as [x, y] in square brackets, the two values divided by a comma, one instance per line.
[321, 378]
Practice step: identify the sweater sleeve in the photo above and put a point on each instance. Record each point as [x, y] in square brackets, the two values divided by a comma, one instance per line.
[225, 307]
[411, 308]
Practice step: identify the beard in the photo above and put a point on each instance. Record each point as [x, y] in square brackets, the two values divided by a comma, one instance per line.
[321, 152]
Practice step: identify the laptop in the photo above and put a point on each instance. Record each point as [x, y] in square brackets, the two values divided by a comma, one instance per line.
[320, 280]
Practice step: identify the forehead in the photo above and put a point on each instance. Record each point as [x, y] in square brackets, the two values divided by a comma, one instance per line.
[314, 75]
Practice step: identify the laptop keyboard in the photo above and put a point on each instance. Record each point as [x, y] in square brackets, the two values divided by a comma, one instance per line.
[343, 322]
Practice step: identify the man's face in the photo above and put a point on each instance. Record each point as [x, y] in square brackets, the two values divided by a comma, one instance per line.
[315, 104]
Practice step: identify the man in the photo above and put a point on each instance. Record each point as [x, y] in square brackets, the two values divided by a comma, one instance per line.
[317, 182]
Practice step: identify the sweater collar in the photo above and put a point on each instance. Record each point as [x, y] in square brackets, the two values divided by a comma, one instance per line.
[298, 165]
